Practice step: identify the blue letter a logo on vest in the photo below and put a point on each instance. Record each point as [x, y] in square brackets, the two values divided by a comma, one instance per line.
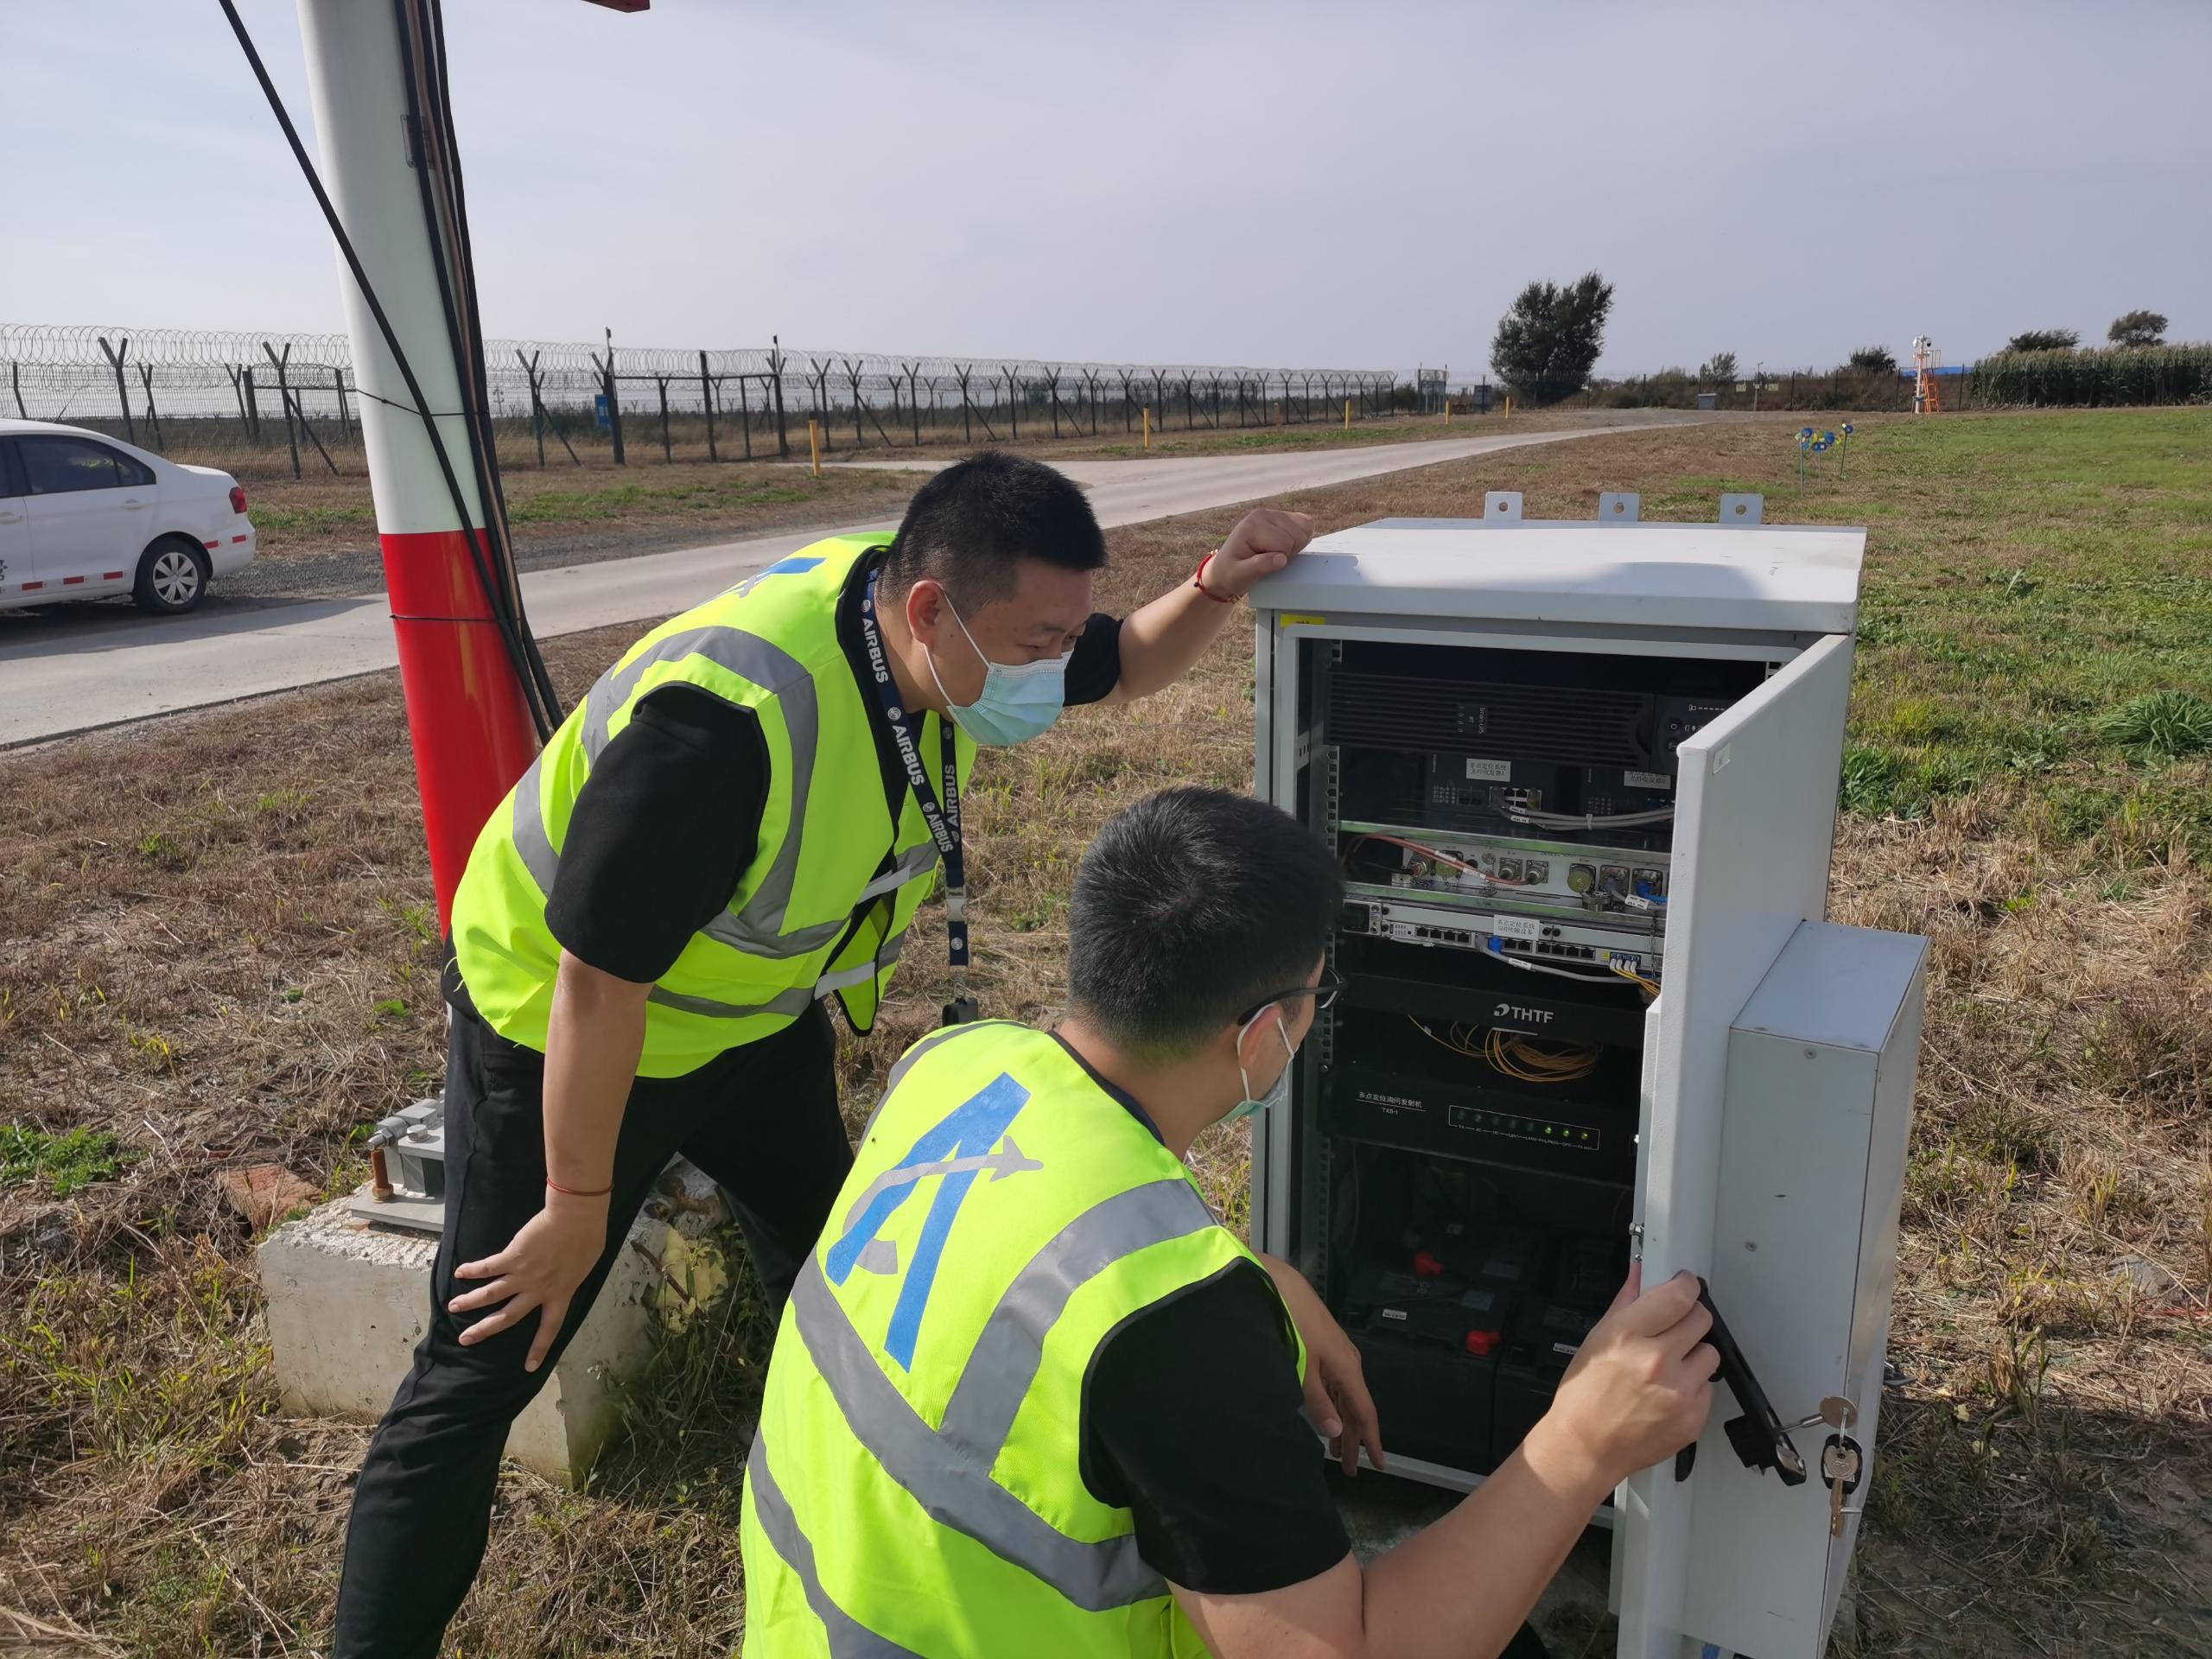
[955, 1152]
[796, 564]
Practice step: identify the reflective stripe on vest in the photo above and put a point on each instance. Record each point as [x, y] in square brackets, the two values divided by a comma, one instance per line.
[847, 1638]
[998, 1372]
[948, 1468]
[759, 930]
[792, 1002]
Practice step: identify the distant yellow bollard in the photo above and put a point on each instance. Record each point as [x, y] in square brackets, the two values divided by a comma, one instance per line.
[1508, 409]
[1147, 426]
[1447, 411]
[814, 442]
[1347, 414]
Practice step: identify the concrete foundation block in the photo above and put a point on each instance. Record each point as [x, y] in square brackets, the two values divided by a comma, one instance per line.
[348, 1299]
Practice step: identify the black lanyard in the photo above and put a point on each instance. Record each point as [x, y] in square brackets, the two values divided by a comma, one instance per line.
[944, 822]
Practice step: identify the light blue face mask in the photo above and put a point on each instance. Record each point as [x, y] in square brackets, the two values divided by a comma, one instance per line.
[1278, 1091]
[1020, 701]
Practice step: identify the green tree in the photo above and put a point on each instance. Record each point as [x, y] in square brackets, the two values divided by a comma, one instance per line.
[1874, 359]
[2137, 328]
[1548, 343]
[1720, 368]
[2044, 340]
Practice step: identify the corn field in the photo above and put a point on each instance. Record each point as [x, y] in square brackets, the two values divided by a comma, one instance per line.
[2158, 374]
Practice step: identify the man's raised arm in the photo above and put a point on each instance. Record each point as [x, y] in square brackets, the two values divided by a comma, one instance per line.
[1160, 642]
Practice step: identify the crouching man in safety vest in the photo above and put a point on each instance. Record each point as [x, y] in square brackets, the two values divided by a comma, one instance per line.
[737, 824]
[1029, 1398]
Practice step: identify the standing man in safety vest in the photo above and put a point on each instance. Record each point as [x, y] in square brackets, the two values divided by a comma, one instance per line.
[737, 823]
[1028, 1396]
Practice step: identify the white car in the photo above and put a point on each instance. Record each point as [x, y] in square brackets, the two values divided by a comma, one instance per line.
[84, 517]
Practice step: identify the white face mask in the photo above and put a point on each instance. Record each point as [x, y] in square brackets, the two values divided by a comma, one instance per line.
[1279, 1090]
[1019, 700]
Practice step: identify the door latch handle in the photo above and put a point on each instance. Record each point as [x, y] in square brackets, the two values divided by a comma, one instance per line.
[1761, 1440]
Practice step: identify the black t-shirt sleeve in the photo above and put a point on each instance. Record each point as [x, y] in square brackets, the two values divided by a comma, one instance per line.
[1095, 668]
[1192, 1421]
[660, 832]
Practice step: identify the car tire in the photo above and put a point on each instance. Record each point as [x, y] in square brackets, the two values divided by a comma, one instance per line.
[172, 577]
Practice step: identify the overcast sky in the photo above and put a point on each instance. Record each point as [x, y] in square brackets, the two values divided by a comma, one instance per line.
[1350, 185]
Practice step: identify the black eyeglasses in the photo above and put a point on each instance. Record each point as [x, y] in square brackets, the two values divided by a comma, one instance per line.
[1324, 995]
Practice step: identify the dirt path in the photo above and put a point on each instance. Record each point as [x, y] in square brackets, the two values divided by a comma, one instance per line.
[72, 669]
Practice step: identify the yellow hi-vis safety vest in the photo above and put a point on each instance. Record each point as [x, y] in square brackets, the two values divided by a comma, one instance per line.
[811, 914]
[915, 1486]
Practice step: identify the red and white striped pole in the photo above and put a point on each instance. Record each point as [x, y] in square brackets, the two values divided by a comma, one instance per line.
[465, 711]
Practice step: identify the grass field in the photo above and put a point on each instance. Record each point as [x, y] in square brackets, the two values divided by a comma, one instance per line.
[222, 951]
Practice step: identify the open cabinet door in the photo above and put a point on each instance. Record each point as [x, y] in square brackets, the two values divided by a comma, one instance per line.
[1755, 816]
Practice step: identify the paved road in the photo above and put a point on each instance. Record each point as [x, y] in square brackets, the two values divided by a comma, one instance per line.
[102, 665]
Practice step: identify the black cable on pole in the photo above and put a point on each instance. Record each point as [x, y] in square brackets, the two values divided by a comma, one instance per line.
[472, 323]
[544, 715]
[430, 113]
[462, 315]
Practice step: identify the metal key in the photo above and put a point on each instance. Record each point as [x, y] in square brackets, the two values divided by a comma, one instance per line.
[1835, 1412]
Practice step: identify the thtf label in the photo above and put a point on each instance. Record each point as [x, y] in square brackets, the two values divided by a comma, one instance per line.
[1515, 927]
[1647, 780]
[1520, 1012]
[1490, 771]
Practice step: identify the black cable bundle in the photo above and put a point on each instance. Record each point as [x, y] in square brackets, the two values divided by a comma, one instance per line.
[428, 89]
[422, 39]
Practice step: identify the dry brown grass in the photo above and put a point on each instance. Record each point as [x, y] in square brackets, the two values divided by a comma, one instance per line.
[218, 443]
[318, 532]
[220, 953]
[603, 509]
[686, 494]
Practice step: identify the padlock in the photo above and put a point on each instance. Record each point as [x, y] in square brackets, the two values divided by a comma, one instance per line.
[1841, 1463]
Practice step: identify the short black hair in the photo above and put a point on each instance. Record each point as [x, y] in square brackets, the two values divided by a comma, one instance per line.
[1191, 907]
[968, 526]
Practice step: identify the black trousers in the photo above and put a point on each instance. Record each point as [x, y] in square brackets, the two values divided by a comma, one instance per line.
[762, 1120]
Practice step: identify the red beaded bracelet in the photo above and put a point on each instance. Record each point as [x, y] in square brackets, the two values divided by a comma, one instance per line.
[1198, 582]
[579, 1192]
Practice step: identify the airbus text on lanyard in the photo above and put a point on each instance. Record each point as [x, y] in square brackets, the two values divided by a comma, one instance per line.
[944, 821]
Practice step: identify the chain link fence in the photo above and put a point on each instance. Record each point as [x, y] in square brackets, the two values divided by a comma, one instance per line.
[165, 388]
